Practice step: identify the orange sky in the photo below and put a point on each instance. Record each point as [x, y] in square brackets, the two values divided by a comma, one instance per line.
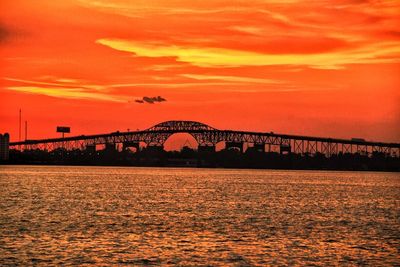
[322, 68]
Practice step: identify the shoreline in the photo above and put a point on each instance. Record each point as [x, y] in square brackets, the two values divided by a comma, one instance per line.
[59, 164]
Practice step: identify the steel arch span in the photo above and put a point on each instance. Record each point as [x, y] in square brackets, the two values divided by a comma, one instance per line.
[181, 126]
[207, 137]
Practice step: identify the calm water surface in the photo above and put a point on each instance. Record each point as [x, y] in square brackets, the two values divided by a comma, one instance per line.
[197, 217]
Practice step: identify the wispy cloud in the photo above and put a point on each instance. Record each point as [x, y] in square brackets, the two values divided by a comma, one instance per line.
[63, 88]
[59, 82]
[171, 84]
[69, 93]
[238, 79]
[143, 8]
[386, 52]
[248, 29]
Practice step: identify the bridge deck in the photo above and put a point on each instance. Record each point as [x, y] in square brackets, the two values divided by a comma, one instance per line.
[284, 136]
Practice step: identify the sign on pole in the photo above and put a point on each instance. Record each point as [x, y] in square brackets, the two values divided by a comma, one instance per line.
[63, 129]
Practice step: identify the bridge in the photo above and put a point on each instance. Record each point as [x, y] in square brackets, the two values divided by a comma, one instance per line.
[208, 137]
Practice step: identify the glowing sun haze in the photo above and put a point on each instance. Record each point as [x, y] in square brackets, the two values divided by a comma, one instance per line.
[321, 68]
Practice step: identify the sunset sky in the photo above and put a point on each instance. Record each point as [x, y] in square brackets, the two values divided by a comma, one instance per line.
[320, 68]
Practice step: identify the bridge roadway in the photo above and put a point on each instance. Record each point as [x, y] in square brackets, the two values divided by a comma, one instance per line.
[207, 138]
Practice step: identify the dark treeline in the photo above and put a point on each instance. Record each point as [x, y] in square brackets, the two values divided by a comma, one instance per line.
[222, 159]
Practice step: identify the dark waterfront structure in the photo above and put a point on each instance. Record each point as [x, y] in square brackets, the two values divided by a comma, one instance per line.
[4, 146]
[207, 138]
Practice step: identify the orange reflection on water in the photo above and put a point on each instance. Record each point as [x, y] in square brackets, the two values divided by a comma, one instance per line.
[167, 217]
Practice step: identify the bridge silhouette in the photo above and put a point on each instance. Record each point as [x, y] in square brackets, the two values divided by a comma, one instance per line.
[208, 137]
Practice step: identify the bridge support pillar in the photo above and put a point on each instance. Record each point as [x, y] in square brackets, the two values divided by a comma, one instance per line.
[127, 145]
[110, 147]
[206, 149]
[238, 145]
[91, 148]
[259, 147]
[285, 149]
[155, 148]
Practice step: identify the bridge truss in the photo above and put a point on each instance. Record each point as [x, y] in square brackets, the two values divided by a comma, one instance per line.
[208, 137]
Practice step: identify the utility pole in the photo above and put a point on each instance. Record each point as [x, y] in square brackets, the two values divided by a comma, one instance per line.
[26, 134]
[19, 136]
[26, 130]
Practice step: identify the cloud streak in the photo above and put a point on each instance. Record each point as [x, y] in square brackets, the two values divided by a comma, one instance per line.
[68, 93]
[386, 52]
[236, 79]
[63, 88]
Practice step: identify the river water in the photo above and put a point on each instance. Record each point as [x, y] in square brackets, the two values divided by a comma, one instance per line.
[53, 215]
